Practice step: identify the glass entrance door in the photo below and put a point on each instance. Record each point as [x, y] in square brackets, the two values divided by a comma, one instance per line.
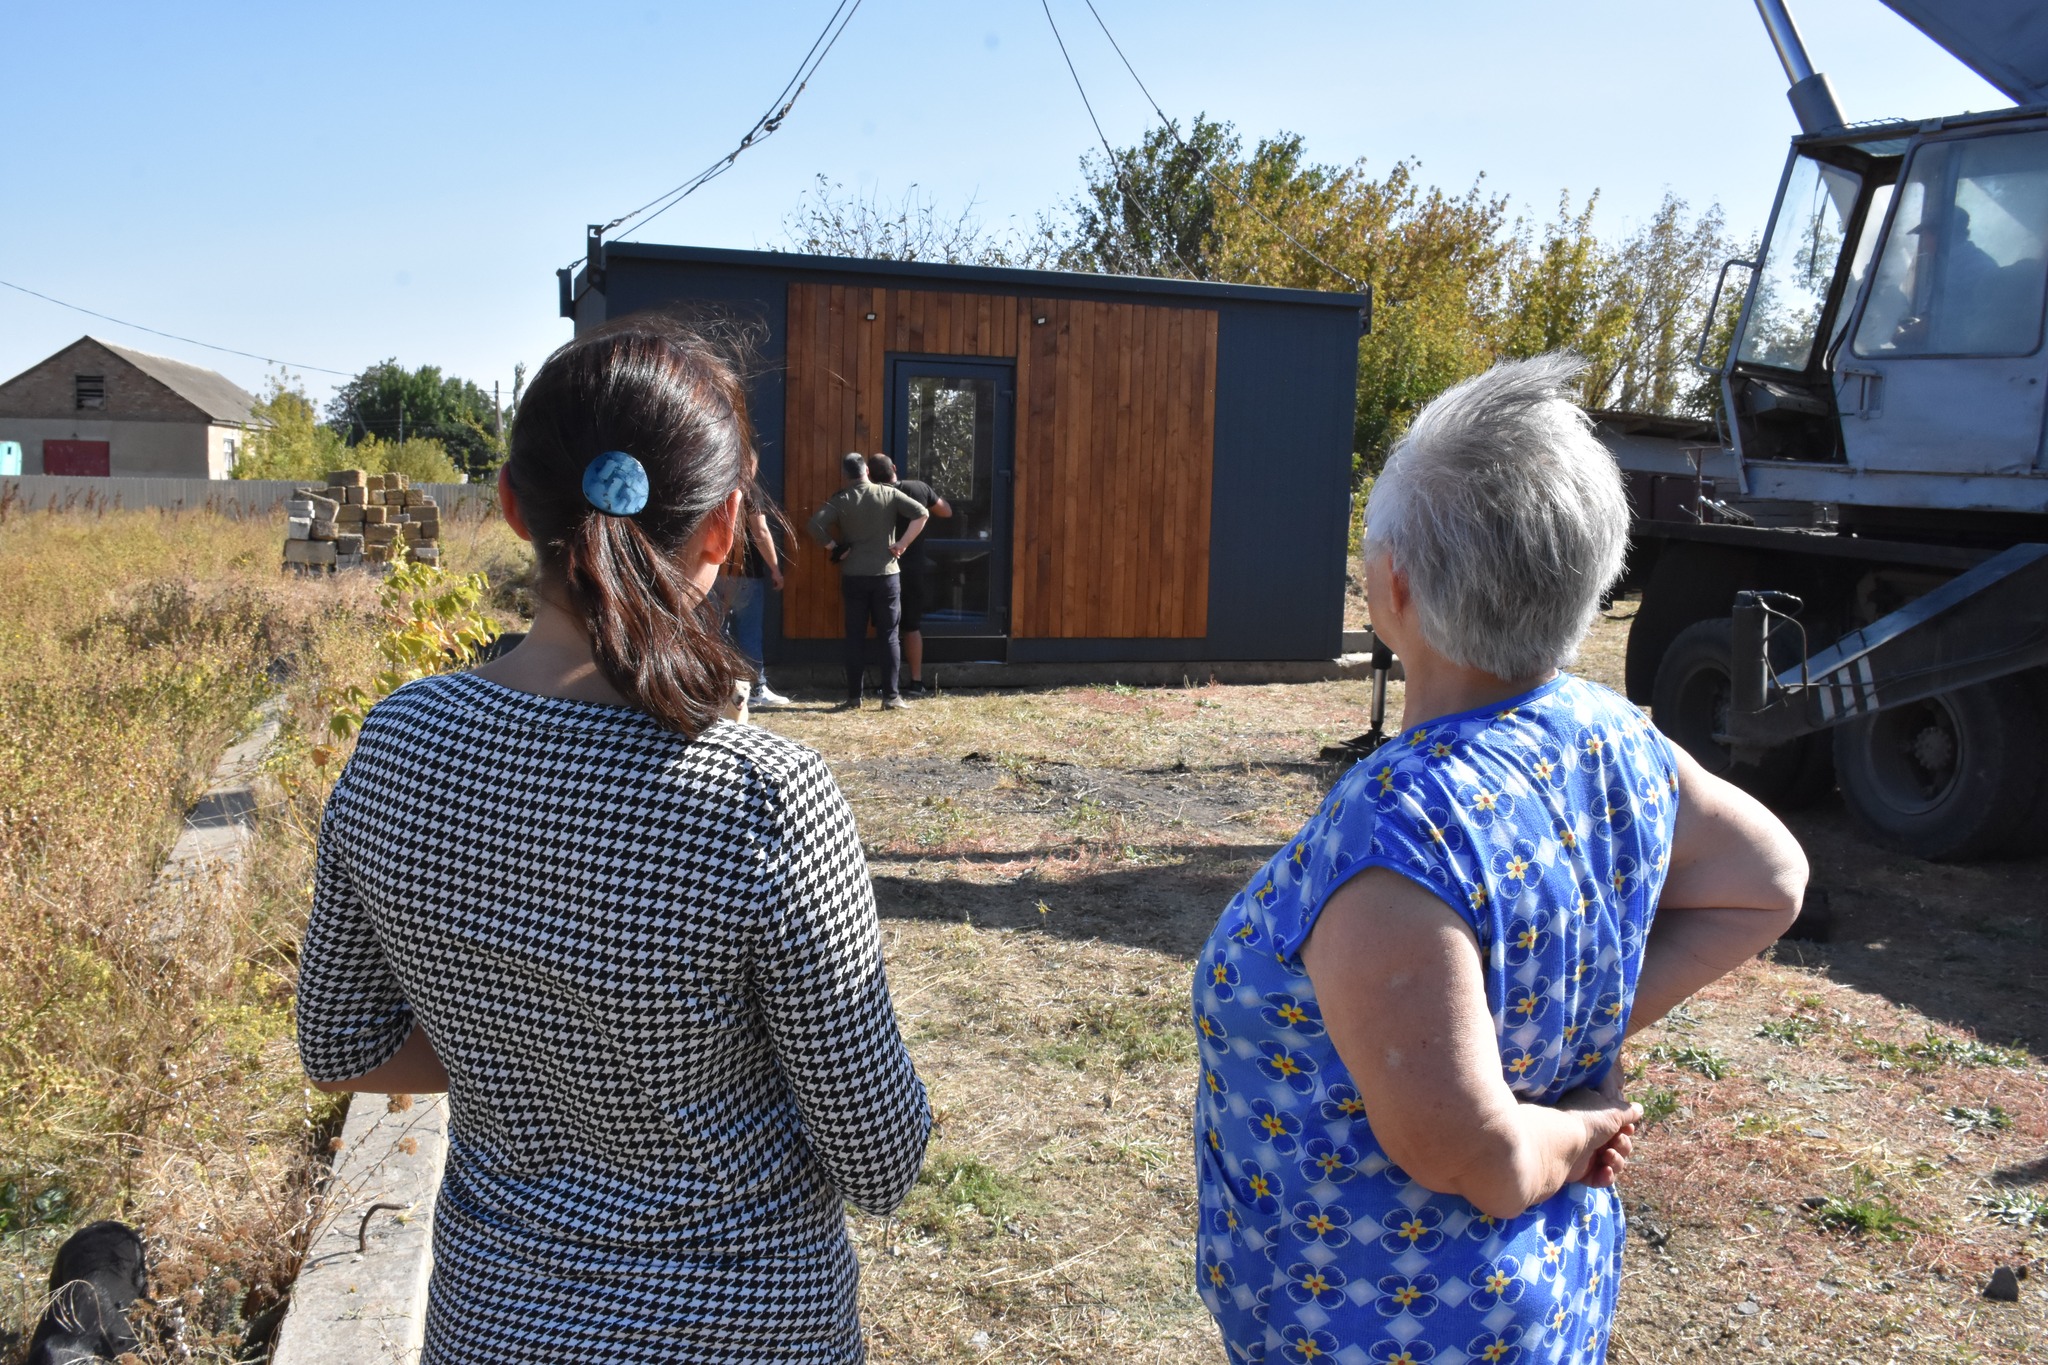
[951, 427]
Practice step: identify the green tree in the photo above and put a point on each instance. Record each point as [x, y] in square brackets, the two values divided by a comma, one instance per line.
[422, 459]
[285, 439]
[393, 403]
[1561, 293]
[1661, 276]
[1457, 284]
[1150, 209]
[830, 220]
[1435, 261]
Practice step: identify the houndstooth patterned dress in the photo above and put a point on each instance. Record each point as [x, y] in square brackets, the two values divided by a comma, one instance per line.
[653, 970]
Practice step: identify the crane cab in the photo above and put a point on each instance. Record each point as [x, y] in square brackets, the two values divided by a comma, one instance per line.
[1893, 323]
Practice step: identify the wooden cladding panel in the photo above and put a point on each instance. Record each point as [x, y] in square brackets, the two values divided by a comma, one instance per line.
[1115, 433]
[1115, 449]
[837, 393]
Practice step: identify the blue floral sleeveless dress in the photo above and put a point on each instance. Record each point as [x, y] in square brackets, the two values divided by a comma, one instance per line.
[1545, 823]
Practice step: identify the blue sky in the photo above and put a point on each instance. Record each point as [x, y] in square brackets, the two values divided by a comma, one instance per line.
[332, 184]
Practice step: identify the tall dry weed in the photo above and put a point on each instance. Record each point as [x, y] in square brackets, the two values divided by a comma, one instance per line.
[134, 647]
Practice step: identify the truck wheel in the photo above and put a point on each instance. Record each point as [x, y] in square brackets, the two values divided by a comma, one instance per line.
[1950, 778]
[1689, 583]
[1690, 704]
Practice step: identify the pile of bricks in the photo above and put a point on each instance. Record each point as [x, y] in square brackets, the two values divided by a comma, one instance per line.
[360, 518]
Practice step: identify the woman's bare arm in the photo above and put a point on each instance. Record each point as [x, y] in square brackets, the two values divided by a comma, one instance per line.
[1737, 877]
[1403, 994]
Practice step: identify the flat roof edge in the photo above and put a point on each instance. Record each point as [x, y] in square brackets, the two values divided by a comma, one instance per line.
[1885, 129]
[979, 274]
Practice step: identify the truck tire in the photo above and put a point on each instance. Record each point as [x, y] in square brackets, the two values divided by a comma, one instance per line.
[1689, 583]
[1689, 702]
[1951, 778]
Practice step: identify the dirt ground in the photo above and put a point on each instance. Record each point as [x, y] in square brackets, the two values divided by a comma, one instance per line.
[1848, 1139]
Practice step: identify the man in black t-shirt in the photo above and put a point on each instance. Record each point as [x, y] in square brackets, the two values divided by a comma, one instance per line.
[915, 566]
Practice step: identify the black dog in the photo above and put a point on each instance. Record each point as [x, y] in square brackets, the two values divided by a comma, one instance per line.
[100, 1272]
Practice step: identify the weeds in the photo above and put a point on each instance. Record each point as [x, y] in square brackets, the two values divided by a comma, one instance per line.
[1758, 1125]
[2014, 1208]
[141, 1083]
[1126, 1036]
[433, 621]
[1868, 1216]
[1703, 1061]
[1989, 1119]
[1964, 1052]
[1658, 1104]
[1092, 821]
[1791, 1030]
[1888, 1055]
[1935, 1051]
[955, 1185]
[938, 822]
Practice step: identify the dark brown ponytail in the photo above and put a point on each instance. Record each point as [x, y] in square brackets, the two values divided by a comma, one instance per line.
[666, 397]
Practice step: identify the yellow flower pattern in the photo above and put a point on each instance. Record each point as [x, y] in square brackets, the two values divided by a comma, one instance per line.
[1545, 824]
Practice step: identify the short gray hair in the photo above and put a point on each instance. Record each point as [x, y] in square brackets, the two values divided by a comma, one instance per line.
[1507, 516]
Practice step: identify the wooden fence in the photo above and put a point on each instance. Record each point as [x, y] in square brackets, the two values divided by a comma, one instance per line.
[226, 497]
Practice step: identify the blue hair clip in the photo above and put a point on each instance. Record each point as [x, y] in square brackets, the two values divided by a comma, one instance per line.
[616, 484]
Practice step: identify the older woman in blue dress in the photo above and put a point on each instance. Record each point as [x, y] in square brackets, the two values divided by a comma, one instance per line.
[1410, 1118]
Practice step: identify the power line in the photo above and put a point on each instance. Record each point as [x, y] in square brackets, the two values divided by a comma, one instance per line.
[1115, 166]
[764, 127]
[225, 350]
[1174, 132]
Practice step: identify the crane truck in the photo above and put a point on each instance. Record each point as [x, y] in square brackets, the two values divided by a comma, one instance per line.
[1844, 577]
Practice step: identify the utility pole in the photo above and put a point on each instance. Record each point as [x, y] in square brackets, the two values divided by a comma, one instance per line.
[401, 419]
[497, 413]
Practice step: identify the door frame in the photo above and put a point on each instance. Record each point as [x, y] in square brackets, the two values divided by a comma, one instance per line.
[1002, 465]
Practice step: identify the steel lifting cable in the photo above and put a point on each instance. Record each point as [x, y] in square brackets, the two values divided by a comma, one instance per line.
[1115, 166]
[1174, 132]
[764, 127]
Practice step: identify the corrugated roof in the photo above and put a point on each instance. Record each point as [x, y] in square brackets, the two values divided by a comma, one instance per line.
[219, 397]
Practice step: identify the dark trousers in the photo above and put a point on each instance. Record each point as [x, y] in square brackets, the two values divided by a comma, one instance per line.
[877, 599]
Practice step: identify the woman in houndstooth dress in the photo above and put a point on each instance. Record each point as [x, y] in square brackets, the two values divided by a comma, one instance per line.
[633, 940]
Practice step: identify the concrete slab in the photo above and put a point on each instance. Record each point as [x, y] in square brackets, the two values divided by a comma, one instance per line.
[205, 864]
[361, 1296]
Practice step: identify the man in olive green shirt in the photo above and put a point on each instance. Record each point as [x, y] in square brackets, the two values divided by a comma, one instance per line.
[858, 526]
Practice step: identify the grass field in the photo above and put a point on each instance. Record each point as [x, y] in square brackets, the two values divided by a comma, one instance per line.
[1846, 1139]
[134, 1082]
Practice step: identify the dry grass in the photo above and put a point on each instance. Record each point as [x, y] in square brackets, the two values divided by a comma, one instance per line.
[134, 646]
[1047, 866]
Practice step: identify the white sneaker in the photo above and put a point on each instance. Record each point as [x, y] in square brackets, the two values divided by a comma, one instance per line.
[764, 695]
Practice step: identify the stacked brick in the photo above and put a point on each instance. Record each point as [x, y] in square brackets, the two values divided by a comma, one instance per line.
[359, 518]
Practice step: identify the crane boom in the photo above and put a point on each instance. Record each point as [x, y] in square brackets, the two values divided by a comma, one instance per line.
[2004, 41]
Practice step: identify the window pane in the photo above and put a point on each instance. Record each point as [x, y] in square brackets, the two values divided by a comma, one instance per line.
[1799, 266]
[1965, 267]
[955, 585]
[1859, 263]
[952, 447]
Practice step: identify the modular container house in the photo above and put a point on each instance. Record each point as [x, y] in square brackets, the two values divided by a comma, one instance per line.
[1141, 470]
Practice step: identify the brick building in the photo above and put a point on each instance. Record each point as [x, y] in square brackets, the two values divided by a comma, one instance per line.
[99, 409]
